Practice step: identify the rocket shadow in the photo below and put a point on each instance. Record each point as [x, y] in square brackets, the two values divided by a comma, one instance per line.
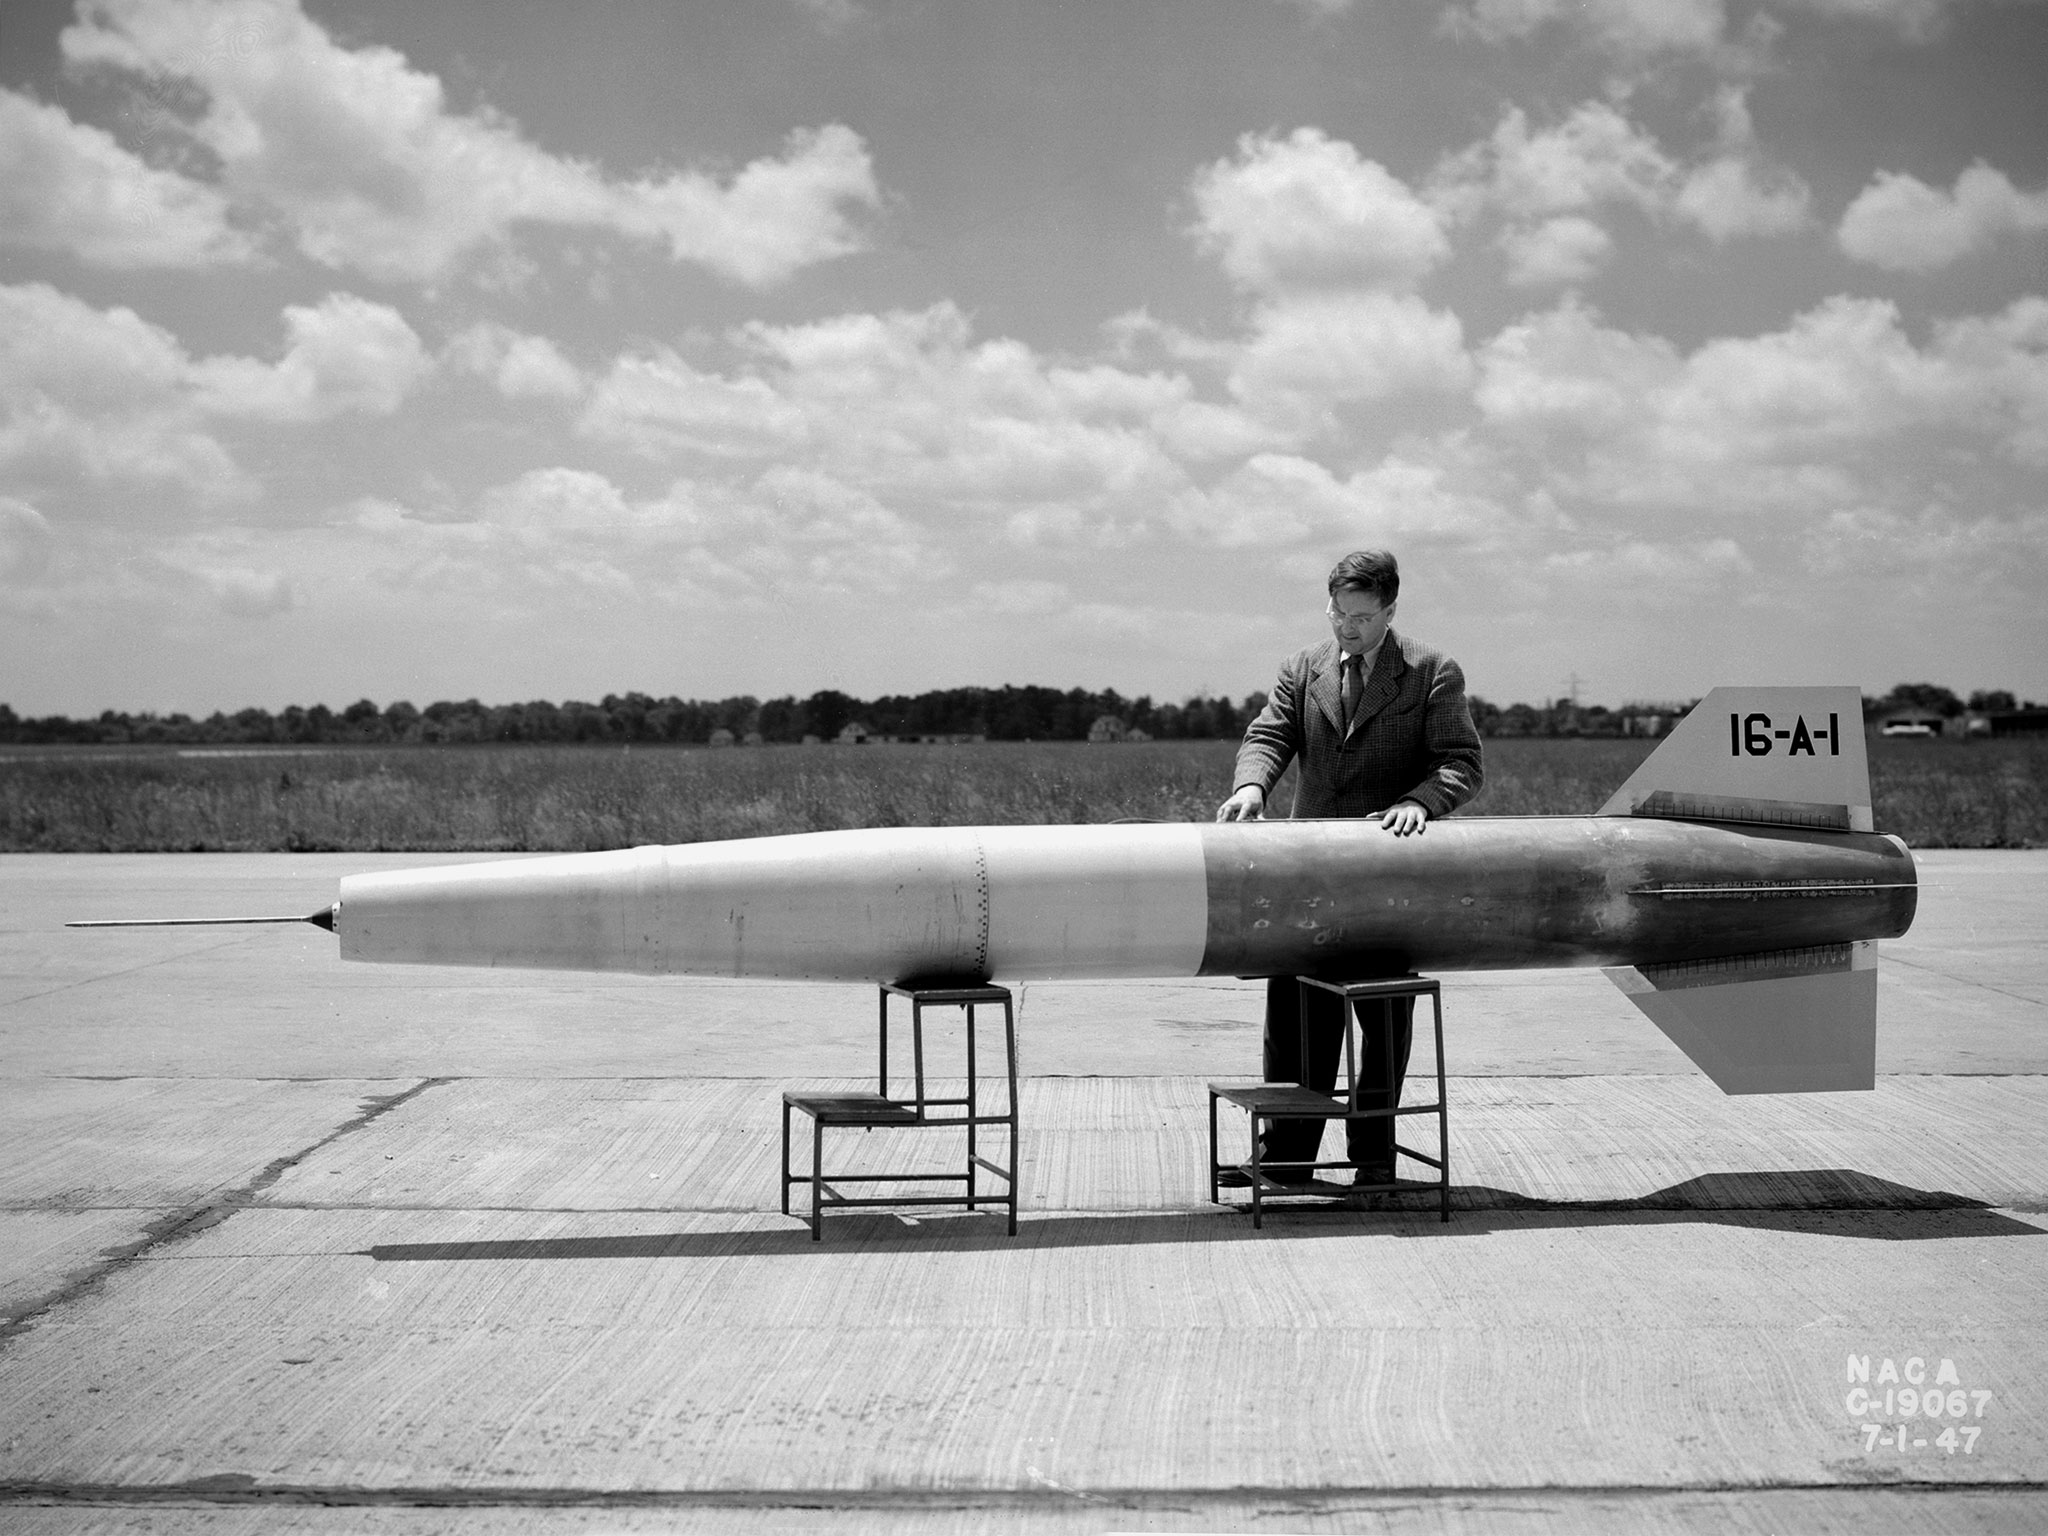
[1839, 1202]
[1831, 1202]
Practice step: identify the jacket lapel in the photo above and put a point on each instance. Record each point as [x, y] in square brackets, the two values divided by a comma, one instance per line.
[1385, 683]
[1326, 688]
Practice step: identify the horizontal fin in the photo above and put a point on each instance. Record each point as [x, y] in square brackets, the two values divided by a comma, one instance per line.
[1786, 1021]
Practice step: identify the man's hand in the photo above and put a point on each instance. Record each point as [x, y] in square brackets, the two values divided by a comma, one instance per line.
[1403, 817]
[1246, 805]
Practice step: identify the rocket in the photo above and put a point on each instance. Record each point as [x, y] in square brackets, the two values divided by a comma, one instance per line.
[1733, 887]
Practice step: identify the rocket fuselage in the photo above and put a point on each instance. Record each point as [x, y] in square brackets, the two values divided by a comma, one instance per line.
[1150, 899]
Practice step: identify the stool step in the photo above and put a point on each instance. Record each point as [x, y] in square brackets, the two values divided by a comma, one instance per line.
[1281, 1098]
[852, 1108]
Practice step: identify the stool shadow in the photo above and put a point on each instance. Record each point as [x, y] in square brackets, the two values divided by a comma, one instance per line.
[1835, 1202]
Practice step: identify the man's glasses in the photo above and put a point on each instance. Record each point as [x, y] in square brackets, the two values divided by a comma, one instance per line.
[1353, 620]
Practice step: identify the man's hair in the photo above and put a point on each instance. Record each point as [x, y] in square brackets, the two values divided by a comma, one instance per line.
[1374, 572]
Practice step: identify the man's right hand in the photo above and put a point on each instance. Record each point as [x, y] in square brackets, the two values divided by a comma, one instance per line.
[1246, 805]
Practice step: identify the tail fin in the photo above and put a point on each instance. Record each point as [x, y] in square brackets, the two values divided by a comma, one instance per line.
[1792, 1021]
[1785, 756]
[1796, 1021]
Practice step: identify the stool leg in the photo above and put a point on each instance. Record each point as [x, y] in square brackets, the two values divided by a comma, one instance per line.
[817, 1180]
[917, 1049]
[1443, 1115]
[1258, 1178]
[1214, 1197]
[973, 1107]
[882, 1046]
[1010, 1064]
[785, 1157]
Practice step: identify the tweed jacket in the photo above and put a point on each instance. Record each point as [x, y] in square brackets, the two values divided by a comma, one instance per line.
[1413, 739]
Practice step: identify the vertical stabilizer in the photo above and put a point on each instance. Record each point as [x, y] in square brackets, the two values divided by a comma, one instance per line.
[1782, 756]
[1798, 1021]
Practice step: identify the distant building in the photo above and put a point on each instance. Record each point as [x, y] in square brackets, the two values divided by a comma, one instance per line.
[721, 737]
[2018, 722]
[853, 734]
[1108, 728]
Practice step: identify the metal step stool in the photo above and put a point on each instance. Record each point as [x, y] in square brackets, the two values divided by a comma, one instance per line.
[1266, 1102]
[920, 1109]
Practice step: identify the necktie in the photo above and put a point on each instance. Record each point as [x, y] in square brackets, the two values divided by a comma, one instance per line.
[1352, 686]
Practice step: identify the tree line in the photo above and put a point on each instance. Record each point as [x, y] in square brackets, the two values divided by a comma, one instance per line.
[1008, 713]
[997, 714]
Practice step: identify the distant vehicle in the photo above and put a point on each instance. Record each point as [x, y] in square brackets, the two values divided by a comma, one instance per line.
[1908, 728]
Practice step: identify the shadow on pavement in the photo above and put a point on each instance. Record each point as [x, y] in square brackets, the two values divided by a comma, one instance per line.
[1834, 1202]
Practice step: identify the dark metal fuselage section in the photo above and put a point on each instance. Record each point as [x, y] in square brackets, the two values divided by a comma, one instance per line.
[1488, 893]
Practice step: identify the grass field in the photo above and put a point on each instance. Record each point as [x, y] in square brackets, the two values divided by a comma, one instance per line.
[1934, 794]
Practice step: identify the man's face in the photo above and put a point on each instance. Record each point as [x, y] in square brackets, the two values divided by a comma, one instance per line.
[1358, 620]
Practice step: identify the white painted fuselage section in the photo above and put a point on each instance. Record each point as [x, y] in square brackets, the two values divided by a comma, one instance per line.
[884, 903]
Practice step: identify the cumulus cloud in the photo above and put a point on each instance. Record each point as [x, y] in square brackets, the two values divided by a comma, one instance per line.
[1900, 223]
[1594, 156]
[1306, 210]
[1836, 407]
[361, 157]
[344, 354]
[1740, 191]
[576, 500]
[785, 531]
[1306, 355]
[905, 403]
[1546, 184]
[1331, 246]
[1731, 196]
[1568, 249]
[103, 393]
[118, 398]
[659, 404]
[520, 366]
[1565, 372]
[67, 186]
[1276, 499]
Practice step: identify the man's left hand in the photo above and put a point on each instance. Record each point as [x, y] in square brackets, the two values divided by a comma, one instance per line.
[1403, 817]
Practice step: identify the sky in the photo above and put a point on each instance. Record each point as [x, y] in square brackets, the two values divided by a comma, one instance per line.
[522, 350]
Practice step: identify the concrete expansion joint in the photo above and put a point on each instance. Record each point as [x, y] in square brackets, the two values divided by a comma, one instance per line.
[1968, 981]
[226, 1077]
[189, 1221]
[239, 1489]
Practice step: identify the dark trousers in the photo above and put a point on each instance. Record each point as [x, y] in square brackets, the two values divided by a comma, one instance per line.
[1387, 1028]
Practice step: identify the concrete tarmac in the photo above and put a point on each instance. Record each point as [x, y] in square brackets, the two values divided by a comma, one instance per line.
[292, 1244]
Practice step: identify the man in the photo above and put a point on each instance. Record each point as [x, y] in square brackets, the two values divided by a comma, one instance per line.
[1380, 728]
